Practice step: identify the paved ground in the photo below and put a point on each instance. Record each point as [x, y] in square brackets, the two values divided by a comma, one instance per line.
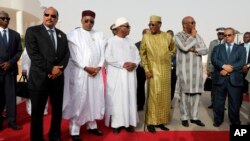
[205, 114]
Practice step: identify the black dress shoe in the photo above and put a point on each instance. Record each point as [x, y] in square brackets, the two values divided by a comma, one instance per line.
[54, 139]
[210, 107]
[216, 124]
[116, 130]
[76, 138]
[197, 122]
[185, 123]
[151, 128]
[162, 127]
[130, 129]
[14, 126]
[95, 132]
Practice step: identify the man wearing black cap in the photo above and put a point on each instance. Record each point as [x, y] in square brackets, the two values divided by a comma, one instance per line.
[210, 68]
[84, 89]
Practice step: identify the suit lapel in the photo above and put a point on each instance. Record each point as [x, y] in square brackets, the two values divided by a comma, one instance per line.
[46, 34]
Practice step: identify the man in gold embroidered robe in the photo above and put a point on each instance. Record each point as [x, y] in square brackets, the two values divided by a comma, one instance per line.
[156, 50]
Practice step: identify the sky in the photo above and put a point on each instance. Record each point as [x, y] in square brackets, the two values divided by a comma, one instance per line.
[208, 14]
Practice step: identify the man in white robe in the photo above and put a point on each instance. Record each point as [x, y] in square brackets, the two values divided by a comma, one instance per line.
[84, 89]
[122, 58]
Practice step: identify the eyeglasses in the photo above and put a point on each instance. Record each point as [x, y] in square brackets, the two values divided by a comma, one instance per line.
[5, 18]
[220, 33]
[52, 16]
[193, 22]
[150, 24]
[89, 21]
[127, 26]
[228, 35]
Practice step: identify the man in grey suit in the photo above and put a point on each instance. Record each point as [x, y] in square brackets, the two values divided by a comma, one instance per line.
[228, 60]
[10, 52]
[210, 67]
[48, 50]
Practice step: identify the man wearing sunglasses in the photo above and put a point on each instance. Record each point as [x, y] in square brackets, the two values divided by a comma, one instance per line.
[228, 60]
[210, 68]
[191, 47]
[48, 50]
[156, 50]
[10, 52]
[122, 58]
[84, 88]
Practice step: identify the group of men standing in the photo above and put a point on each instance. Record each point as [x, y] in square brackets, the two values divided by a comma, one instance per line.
[68, 69]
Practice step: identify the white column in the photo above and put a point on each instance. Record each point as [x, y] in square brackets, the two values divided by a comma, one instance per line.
[19, 22]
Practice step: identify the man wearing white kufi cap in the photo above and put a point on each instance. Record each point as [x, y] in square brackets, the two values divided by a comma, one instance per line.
[210, 67]
[156, 50]
[122, 58]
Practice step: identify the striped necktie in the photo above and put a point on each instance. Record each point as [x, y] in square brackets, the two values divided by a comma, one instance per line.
[52, 38]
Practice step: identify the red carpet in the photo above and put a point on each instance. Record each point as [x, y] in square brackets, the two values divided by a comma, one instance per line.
[23, 135]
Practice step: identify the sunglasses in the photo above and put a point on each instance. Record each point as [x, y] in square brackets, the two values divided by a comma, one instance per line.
[127, 26]
[89, 21]
[150, 24]
[193, 22]
[228, 35]
[5, 18]
[52, 16]
[220, 33]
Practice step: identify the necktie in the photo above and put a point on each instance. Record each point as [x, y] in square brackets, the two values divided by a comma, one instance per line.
[228, 51]
[52, 38]
[5, 42]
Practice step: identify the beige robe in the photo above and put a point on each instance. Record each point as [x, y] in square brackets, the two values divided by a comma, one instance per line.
[155, 52]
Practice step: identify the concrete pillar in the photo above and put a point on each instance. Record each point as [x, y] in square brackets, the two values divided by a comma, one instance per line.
[19, 22]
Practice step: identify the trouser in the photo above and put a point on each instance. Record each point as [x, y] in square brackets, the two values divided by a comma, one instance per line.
[189, 103]
[74, 128]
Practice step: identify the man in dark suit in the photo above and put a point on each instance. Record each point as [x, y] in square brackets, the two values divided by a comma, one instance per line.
[228, 60]
[141, 78]
[10, 52]
[48, 50]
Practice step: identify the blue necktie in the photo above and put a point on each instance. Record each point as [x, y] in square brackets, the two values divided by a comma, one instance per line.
[52, 38]
[228, 51]
[5, 42]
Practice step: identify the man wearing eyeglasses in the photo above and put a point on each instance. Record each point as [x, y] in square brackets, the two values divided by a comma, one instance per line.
[210, 68]
[191, 47]
[122, 58]
[10, 52]
[228, 60]
[84, 88]
[48, 50]
[156, 50]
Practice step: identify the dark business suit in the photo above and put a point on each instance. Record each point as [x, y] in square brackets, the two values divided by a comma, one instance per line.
[141, 78]
[231, 84]
[10, 54]
[43, 57]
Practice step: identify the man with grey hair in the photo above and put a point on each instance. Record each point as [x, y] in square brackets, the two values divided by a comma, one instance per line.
[122, 58]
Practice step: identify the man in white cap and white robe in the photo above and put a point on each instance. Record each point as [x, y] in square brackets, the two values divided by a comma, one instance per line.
[84, 88]
[122, 58]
